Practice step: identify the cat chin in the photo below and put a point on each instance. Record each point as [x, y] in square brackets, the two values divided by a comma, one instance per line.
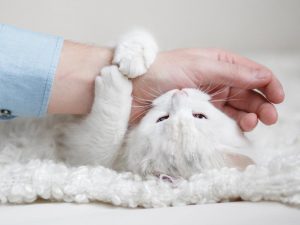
[166, 168]
[186, 169]
[147, 156]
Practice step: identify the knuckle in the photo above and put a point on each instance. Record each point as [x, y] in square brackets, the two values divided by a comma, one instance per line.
[225, 56]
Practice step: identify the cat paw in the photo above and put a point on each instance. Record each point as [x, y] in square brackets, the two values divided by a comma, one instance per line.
[112, 79]
[135, 53]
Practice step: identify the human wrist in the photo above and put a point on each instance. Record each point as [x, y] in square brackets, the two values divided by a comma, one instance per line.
[73, 85]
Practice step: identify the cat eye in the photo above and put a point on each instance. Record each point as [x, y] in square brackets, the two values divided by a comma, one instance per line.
[162, 118]
[199, 116]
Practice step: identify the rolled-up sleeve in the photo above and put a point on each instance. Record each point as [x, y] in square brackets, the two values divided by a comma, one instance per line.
[28, 63]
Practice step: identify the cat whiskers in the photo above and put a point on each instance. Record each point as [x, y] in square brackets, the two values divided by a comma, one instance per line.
[226, 100]
[155, 92]
[207, 89]
[141, 106]
[219, 92]
[230, 98]
[211, 88]
[220, 87]
[140, 114]
[142, 101]
[146, 103]
[150, 94]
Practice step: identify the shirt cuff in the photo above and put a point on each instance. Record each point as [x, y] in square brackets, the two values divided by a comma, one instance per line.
[28, 63]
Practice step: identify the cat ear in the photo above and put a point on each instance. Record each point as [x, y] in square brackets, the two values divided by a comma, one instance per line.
[238, 161]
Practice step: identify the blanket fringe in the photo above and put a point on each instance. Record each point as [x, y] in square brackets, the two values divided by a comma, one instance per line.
[24, 183]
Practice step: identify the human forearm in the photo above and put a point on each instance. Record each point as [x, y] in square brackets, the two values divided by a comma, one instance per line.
[73, 86]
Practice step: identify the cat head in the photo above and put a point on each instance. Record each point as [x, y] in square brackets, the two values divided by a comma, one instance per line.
[182, 134]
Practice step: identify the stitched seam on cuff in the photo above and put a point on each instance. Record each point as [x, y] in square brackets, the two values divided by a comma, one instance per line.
[50, 77]
[1, 27]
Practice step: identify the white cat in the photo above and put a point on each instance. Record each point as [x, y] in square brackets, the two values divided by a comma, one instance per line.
[182, 134]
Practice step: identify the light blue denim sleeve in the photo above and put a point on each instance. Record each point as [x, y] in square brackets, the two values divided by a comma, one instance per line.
[28, 62]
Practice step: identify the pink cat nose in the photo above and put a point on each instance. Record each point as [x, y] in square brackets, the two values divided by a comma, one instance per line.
[180, 93]
[179, 99]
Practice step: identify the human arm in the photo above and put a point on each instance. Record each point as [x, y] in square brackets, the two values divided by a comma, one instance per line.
[27, 66]
[42, 73]
[73, 86]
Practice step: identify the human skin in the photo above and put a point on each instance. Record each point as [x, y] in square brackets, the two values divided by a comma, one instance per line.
[233, 81]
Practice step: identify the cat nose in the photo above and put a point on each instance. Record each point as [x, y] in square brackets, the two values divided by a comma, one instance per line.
[180, 93]
[179, 99]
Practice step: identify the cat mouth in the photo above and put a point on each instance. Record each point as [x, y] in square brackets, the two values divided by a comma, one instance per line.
[165, 177]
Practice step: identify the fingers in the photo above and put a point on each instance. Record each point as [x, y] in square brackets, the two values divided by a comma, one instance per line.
[246, 121]
[253, 102]
[241, 77]
[273, 91]
[229, 57]
[230, 74]
[270, 87]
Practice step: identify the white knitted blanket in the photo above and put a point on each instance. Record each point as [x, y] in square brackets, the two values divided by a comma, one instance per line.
[275, 178]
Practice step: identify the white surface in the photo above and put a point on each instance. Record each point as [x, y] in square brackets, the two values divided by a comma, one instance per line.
[221, 213]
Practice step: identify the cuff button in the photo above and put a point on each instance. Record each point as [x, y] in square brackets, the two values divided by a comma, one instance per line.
[5, 112]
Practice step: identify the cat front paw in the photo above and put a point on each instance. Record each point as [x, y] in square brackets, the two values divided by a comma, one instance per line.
[135, 53]
[112, 80]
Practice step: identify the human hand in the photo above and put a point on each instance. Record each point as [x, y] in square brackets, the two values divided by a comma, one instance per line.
[229, 78]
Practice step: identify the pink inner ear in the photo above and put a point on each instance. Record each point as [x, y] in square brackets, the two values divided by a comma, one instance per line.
[237, 160]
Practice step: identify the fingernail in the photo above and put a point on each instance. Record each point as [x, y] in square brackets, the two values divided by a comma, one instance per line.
[262, 74]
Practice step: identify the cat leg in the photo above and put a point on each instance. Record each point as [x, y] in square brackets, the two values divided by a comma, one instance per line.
[135, 53]
[98, 138]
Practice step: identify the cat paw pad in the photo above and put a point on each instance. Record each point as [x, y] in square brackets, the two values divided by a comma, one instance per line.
[135, 54]
[111, 78]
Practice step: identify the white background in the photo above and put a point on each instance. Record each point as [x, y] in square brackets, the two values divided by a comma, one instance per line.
[238, 25]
